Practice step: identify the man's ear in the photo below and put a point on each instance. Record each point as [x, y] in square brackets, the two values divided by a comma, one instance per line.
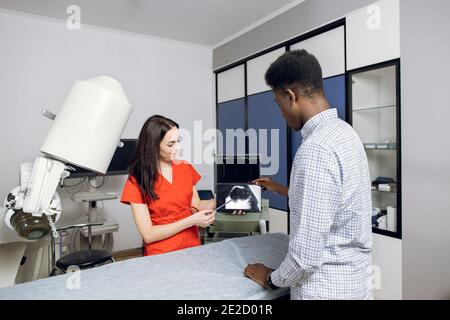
[291, 95]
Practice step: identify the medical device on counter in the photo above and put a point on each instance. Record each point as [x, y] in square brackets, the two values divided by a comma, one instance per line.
[85, 133]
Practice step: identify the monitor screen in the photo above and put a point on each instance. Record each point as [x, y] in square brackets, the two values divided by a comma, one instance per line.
[118, 165]
[232, 169]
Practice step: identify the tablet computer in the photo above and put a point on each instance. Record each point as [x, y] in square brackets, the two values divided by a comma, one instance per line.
[238, 196]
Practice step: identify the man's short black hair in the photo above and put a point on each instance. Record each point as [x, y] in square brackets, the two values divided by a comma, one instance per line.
[297, 68]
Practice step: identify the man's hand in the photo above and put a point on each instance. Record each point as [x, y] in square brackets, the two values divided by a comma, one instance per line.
[270, 185]
[258, 273]
[266, 182]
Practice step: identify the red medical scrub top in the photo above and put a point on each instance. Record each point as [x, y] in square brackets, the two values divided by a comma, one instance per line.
[174, 204]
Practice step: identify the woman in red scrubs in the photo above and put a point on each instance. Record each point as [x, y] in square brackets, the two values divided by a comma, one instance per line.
[161, 191]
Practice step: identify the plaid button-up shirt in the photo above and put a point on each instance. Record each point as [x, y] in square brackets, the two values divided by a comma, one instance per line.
[330, 202]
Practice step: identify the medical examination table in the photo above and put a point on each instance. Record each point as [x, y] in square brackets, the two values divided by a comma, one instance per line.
[213, 271]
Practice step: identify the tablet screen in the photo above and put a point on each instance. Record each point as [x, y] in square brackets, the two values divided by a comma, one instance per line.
[239, 196]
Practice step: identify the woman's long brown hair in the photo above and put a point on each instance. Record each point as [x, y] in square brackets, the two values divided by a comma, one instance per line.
[145, 161]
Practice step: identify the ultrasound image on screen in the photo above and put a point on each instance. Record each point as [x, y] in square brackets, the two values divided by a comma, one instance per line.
[246, 197]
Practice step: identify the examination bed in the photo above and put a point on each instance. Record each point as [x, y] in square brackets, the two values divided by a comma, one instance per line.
[213, 271]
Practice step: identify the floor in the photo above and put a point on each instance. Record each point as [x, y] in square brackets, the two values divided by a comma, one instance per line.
[128, 254]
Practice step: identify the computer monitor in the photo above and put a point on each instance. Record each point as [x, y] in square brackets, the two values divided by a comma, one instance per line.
[118, 165]
[239, 168]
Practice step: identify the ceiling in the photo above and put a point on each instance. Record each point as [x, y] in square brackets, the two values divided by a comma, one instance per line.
[203, 22]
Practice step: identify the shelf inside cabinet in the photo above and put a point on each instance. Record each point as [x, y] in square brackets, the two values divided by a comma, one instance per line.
[380, 146]
[372, 109]
[385, 232]
[380, 191]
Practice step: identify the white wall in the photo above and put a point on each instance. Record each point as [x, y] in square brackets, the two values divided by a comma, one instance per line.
[425, 67]
[39, 60]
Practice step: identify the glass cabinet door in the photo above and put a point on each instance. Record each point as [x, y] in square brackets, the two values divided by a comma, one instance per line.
[375, 116]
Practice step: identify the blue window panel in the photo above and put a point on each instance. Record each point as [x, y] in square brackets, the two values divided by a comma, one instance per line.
[334, 89]
[264, 113]
[231, 115]
[296, 141]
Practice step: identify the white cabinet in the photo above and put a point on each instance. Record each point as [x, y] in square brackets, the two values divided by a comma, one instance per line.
[256, 70]
[386, 268]
[231, 84]
[328, 48]
[375, 105]
[373, 34]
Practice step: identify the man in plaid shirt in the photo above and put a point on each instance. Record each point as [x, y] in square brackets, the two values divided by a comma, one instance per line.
[329, 253]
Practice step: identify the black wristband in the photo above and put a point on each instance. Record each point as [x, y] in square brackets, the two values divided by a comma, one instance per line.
[270, 283]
